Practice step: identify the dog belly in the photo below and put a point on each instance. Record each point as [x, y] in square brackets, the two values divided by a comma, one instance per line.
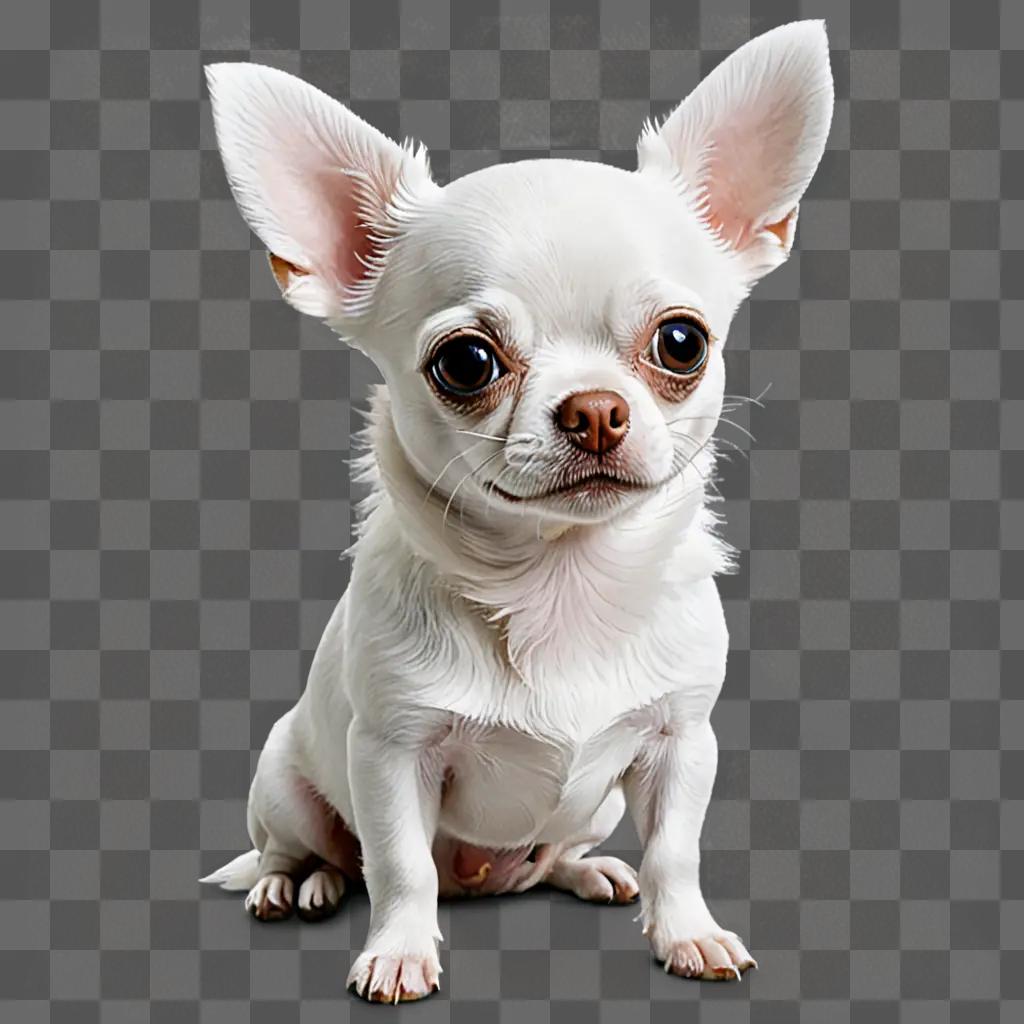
[487, 820]
[500, 785]
[487, 813]
[508, 791]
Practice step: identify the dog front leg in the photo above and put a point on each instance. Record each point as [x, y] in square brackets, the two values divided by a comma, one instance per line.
[396, 791]
[667, 790]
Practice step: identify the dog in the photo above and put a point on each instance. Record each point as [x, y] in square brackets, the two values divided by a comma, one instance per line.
[532, 640]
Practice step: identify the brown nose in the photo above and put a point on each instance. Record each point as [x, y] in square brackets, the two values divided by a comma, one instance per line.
[595, 420]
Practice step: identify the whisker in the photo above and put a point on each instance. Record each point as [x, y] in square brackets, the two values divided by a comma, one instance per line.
[680, 499]
[738, 426]
[444, 469]
[489, 487]
[486, 437]
[734, 445]
[472, 472]
[747, 398]
[683, 419]
[697, 451]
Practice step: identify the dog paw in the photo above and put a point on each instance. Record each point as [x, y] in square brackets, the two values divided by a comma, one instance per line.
[600, 879]
[718, 956]
[270, 899]
[394, 977]
[320, 894]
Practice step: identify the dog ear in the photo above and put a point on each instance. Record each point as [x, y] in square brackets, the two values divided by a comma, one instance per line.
[320, 186]
[746, 142]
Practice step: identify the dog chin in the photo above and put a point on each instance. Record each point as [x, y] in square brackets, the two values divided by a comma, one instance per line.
[592, 499]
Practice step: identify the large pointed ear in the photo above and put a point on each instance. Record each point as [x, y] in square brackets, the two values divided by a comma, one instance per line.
[745, 143]
[323, 189]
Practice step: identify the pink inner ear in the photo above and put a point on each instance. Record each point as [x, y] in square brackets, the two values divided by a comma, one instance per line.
[748, 166]
[725, 199]
[760, 159]
[318, 208]
[341, 231]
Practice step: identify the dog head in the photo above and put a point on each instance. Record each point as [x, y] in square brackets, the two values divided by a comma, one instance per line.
[550, 331]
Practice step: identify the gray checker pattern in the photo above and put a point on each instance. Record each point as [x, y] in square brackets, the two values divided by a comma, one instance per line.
[175, 496]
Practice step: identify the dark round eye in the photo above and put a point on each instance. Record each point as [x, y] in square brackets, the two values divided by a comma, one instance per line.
[679, 346]
[465, 365]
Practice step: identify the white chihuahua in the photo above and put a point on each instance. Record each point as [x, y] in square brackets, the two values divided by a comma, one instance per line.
[532, 640]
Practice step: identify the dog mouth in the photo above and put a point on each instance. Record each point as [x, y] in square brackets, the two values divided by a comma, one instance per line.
[594, 486]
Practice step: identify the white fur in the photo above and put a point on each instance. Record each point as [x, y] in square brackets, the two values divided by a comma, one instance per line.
[511, 675]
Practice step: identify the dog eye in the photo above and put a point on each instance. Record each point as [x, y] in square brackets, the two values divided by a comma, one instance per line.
[679, 346]
[465, 365]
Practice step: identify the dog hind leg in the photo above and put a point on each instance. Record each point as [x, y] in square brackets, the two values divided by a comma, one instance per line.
[295, 829]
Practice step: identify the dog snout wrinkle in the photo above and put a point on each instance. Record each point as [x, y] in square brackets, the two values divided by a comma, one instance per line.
[595, 421]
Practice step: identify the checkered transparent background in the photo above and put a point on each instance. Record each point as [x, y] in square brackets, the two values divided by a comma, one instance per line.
[175, 497]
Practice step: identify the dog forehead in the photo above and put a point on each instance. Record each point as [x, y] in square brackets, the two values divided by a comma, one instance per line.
[564, 236]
